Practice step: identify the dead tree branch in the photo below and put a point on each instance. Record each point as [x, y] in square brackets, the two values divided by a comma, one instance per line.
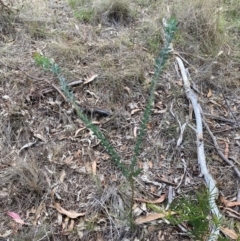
[200, 150]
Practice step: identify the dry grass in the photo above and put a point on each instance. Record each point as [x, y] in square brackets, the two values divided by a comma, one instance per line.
[202, 26]
[118, 41]
[106, 12]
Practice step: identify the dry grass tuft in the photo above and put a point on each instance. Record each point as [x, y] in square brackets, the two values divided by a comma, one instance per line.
[106, 12]
[65, 52]
[201, 26]
[31, 177]
[25, 181]
[40, 232]
[115, 12]
[7, 15]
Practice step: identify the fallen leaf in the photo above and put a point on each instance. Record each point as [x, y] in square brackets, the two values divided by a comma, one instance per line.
[70, 214]
[230, 233]
[62, 176]
[94, 167]
[229, 203]
[150, 164]
[226, 150]
[76, 26]
[128, 90]
[59, 218]
[90, 79]
[209, 94]
[88, 167]
[40, 136]
[149, 125]
[28, 145]
[15, 217]
[151, 217]
[135, 131]
[135, 111]
[92, 93]
[77, 131]
[180, 83]
[220, 53]
[159, 111]
[159, 200]
[65, 224]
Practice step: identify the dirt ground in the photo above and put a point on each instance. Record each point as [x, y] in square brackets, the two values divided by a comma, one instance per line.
[54, 172]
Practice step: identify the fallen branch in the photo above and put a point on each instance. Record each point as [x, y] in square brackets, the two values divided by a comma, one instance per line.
[200, 150]
[230, 122]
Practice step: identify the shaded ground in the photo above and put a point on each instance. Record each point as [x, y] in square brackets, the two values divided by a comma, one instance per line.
[63, 161]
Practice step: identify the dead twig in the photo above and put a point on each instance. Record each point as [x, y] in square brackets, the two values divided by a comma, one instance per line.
[234, 117]
[219, 151]
[229, 121]
[73, 83]
[229, 129]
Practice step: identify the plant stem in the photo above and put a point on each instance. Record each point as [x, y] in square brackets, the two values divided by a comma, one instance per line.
[132, 224]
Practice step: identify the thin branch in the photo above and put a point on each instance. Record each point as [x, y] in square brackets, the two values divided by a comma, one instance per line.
[234, 117]
[230, 122]
[73, 83]
[200, 150]
[229, 129]
[219, 151]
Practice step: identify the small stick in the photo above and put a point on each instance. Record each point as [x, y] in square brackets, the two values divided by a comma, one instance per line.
[231, 122]
[218, 149]
[73, 83]
[53, 85]
[229, 129]
[234, 117]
